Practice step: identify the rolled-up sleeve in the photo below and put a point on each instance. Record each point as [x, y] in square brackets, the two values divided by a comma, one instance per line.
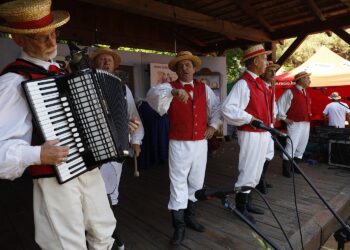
[213, 108]
[137, 136]
[159, 98]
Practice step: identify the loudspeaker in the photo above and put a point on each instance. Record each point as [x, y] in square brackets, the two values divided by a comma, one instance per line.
[339, 152]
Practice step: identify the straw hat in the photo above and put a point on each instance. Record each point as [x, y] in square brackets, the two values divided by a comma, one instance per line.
[107, 51]
[254, 51]
[334, 96]
[301, 75]
[30, 16]
[273, 65]
[184, 55]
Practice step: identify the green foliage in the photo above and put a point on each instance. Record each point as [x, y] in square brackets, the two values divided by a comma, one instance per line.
[310, 45]
[233, 62]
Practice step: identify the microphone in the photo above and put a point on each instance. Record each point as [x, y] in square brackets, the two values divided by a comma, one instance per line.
[273, 131]
[208, 193]
[78, 58]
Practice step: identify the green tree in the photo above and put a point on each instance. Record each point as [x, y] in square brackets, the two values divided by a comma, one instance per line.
[310, 45]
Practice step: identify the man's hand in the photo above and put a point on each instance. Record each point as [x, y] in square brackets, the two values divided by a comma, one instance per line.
[288, 121]
[52, 154]
[137, 149]
[180, 94]
[209, 132]
[134, 124]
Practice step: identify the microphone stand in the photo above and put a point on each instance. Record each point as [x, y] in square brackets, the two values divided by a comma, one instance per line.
[342, 235]
[228, 205]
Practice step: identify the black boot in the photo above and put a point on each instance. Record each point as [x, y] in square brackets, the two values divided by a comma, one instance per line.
[286, 169]
[297, 161]
[117, 234]
[262, 186]
[251, 208]
[190, 217]
[241, 205]
[179, 225]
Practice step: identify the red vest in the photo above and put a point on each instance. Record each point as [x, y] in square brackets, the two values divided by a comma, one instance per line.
[32, 71]
[259, 104]
[300, 108]
[188, 121]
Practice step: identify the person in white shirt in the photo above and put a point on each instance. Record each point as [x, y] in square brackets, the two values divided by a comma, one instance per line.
[269, 79]
[73, 215]
[294, 108]
[194, 116]
[248, 102]
[336, 112]
[108, 60]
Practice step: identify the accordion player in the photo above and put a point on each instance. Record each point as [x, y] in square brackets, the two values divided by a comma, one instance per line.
[86, 111]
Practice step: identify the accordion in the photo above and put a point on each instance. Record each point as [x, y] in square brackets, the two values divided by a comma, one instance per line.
[86, 111]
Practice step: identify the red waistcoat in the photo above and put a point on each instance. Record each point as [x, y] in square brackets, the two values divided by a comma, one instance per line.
[32, 71]
[259, 104]
[300, 108]
[188, 121]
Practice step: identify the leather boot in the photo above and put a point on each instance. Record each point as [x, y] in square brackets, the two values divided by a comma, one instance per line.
[297, 161]
[263, 185]
[190, 217]
[241, 205]
[286, 169]
[179, 226]
[251, 208]
[117, 234]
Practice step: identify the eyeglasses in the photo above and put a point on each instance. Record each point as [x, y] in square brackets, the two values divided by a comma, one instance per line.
[45, 38]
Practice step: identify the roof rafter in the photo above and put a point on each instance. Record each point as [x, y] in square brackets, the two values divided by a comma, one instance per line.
[313, 6]
[158, 10]
[247, 8]
[293, 47]
[343, 35]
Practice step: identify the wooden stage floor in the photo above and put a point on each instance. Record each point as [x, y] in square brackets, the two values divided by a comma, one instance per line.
[146, 223]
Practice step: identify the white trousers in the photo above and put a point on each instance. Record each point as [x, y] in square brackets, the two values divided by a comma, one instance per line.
[111, 173]
[299, 133]
[252, 156]
[270, 150]
[63, 213]
[187, 164]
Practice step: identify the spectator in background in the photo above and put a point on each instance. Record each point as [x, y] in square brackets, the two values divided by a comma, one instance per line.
[294, 108]
[336, 112]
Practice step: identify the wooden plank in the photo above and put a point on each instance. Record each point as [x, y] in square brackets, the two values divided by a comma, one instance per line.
[173, 13]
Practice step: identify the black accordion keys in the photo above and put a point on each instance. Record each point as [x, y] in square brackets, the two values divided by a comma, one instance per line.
[86, 111]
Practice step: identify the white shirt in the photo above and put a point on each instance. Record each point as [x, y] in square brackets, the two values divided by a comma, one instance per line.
[284, 103]
[336, 113]
[233, 108]
[159, 98]
[136, 138]
[16, 153]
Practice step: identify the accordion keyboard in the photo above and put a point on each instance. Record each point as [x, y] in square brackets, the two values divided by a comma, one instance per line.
[54, 116]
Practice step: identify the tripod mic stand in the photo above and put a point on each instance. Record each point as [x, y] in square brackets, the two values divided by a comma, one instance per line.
[228, 205]
[343, 234]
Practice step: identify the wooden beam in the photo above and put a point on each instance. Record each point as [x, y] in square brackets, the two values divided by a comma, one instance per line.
[343, 35]
[291, 49]
[171, 13]
[346, 2]
[313, 6]
[248, 9]
[312, 27]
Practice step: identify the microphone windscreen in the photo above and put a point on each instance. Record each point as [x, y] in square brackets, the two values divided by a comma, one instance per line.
[200, 194]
